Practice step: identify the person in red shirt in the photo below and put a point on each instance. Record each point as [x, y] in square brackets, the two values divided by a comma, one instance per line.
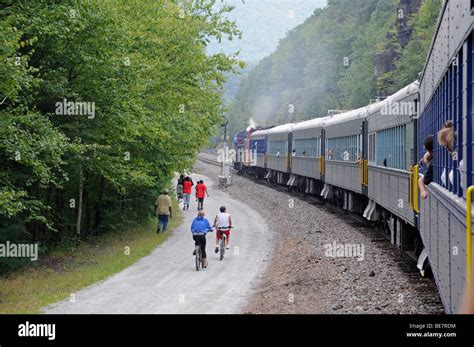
[187, 191]
[201, 191]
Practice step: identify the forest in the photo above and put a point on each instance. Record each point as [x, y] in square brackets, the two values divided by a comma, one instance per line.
[101, 102]
[342, 57]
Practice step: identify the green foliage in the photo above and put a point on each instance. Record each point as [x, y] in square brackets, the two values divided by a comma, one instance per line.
[328, 62]
[413, 56]
[157, 98]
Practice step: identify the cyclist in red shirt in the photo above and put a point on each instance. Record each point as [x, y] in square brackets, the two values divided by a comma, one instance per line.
[187, 191]
[201, 191]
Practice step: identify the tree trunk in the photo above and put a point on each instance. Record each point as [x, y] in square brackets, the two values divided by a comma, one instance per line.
[88, 211]
[79, 208]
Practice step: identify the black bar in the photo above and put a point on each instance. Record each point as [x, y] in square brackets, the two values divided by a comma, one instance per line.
[324, 330]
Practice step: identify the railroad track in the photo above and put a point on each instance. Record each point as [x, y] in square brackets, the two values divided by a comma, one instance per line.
[207, 160]
[353, 218]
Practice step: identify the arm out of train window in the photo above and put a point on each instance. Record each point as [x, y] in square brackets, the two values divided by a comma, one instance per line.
[427, 178]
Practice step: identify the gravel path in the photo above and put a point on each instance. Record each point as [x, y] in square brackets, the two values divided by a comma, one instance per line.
[304, 278]
[167, 282]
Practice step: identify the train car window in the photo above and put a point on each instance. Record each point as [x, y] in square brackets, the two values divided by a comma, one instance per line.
[346, 148]
[390, 147]
[277, 147]
[257, 146]
[307, 147]
[370, 147]
[372, 140]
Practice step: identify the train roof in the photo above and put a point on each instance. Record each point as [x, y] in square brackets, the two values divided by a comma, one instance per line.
[433, 39]
[364, 111]
[281, 129]
[347, 116]
[262, 131]
[259, 132]
[359, 113]
[408, 90]
[311, 123]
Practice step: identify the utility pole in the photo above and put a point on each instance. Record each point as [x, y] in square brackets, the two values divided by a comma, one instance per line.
[224, 178]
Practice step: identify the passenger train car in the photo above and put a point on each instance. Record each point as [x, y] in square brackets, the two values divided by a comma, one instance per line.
[446, 95]
[367, 160]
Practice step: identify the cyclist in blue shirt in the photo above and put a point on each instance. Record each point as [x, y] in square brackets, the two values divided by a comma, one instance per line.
[199, 228]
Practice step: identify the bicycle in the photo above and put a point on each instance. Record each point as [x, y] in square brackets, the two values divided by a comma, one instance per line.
[222, 241]
[198, 257]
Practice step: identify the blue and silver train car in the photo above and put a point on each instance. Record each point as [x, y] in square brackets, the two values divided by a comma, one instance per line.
[307, 164]
[279, 153]
[258, 152]
[345, 153]
[446, 94]
[390, 160]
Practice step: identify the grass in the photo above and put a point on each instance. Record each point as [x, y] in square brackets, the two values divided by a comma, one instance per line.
[65, 272]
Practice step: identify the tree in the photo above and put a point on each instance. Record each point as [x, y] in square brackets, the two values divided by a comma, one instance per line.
[109, 100]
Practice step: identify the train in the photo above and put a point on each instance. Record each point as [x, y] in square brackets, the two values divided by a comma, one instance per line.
[368, 160]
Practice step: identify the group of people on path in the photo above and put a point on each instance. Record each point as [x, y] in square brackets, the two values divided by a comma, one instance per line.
[184, 190]
[200, 225]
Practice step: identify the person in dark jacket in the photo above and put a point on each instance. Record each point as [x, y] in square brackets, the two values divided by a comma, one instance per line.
[179, 187]
[427, 160]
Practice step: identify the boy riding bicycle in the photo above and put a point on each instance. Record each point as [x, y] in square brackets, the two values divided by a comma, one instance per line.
[223, 224]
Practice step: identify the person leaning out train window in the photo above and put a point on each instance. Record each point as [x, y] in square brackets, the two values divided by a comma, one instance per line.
[427, 161]
[330, 154]
[446, 138]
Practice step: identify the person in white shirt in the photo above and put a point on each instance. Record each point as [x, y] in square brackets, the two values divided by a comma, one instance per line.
[223, 223]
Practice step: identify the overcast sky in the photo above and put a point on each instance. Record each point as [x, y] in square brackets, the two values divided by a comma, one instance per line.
[264, 23]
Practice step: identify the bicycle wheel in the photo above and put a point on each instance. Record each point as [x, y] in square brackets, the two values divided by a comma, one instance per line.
[222, 247]
[198, 259]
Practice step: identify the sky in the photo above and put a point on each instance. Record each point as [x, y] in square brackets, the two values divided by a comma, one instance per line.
[263, 24]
